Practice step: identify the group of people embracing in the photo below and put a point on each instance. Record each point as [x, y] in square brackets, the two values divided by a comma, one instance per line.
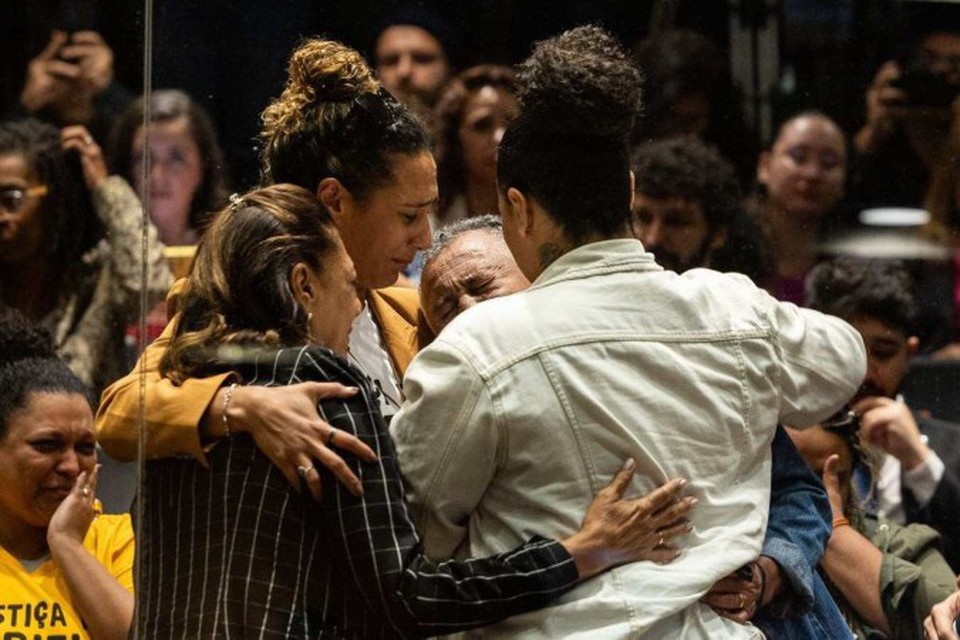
[586, 455]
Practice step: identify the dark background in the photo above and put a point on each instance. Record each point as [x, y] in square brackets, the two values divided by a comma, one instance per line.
[230, 54]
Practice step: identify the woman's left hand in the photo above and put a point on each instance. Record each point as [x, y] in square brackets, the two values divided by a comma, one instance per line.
[737, 596]
[77, 137]
[73, 517]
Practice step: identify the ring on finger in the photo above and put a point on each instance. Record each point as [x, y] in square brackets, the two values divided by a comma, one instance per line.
[331, 436]
[303, 472]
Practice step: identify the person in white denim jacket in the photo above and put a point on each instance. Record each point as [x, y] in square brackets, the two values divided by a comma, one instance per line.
[524, 404]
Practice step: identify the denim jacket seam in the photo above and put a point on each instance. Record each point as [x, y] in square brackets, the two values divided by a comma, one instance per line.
[490, 370]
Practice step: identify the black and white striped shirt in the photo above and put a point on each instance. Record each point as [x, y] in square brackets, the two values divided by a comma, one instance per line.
[233, 551]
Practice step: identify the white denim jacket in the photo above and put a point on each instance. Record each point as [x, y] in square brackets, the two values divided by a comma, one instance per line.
[526, 406]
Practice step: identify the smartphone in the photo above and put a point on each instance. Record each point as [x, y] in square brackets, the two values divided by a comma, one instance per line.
[925, 89]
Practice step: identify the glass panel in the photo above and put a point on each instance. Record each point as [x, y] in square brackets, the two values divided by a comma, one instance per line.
[227, 60]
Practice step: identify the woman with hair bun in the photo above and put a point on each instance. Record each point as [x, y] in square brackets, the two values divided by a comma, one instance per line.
[65, 570]
[337, 133]
[525, 402]
[271, 300]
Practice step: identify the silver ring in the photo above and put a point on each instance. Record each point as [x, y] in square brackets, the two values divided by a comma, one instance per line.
[304, 471]
[331, 436]
[85, 491]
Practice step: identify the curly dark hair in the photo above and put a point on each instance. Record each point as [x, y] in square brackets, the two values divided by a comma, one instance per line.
[167, 105]
[334, 119]
[581, 82]
[848, 286]
[448, 115]
[67, 209]
[686, 168]
[579, 93]
[29, 364]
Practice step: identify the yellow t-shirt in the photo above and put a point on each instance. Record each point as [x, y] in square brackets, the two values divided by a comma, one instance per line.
[36, 605]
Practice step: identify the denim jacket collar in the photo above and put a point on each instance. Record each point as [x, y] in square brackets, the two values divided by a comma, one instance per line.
[605, 256]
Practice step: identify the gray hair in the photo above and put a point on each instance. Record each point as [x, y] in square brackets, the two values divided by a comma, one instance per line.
[446, 234]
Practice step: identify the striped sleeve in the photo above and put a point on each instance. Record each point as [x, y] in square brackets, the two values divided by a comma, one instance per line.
[377, 547]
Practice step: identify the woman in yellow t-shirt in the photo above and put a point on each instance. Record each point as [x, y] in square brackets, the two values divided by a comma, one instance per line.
[64, 571]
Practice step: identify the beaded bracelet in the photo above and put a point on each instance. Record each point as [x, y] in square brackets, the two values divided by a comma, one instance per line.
[226, 403]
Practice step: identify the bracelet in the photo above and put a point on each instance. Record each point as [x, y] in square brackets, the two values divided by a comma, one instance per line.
[840, 522]
[226, 404]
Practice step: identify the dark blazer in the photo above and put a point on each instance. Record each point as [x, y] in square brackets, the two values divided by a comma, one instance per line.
[943, 511]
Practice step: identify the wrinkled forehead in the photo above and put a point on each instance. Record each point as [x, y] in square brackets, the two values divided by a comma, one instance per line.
[469, 253]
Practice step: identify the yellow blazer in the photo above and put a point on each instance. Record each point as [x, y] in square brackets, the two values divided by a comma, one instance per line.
[173, 413]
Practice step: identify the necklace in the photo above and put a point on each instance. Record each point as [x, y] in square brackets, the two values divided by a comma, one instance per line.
[390, 400]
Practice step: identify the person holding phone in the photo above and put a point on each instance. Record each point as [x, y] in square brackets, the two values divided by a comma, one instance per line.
[907, 120]
[71, 81]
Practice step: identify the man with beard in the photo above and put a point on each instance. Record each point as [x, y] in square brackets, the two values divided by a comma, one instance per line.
[414, 53]
[914, 484]
[688, 209]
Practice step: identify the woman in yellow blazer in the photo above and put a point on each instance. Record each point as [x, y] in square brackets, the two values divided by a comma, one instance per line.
[336, 131]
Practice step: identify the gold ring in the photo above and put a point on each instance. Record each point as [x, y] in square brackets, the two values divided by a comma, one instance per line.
[304, 471]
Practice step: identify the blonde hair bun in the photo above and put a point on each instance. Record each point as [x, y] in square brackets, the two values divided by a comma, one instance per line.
[319, 72]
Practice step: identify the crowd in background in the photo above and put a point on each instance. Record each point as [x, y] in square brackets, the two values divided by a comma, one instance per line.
[862, 225]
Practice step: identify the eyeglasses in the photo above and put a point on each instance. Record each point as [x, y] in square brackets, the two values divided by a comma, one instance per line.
[12, 198]
[846, 424]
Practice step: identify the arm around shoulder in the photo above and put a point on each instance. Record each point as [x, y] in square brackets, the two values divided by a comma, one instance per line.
[173, 414]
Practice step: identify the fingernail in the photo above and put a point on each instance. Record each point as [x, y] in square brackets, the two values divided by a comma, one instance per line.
[353, 389]
[693, 501]
[682, 482]
[630, 464]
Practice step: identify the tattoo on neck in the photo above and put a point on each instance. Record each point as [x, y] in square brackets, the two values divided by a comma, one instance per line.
[549, 253]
